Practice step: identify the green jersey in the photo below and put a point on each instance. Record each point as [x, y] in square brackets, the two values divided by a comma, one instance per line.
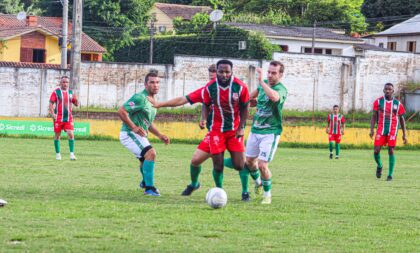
[140, 111]
[268, 118]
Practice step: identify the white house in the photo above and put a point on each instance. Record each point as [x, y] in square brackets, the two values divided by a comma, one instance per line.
[299, 39]
[403, 37]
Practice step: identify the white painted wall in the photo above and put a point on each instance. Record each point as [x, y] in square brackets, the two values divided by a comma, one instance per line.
[295, 46]
[400, 40]
[313, 81]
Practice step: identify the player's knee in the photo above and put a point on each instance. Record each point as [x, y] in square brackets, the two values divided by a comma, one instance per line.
[150, 154]
[391, 151]
[195, 162]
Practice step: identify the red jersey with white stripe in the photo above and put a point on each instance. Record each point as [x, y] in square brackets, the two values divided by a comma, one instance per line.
[388, 112]
[63, 100]
[335, 121]
[196, 96]
[225, 103]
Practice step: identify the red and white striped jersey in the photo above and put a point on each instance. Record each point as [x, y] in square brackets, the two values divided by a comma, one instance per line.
[388, 112]
[225, 103]
[336, 121]
[63, 100]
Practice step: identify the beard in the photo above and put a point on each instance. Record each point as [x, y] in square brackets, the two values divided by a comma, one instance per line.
[223, 82]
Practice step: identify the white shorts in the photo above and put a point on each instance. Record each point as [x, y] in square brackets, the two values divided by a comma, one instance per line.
[263, 146]
[137, 144]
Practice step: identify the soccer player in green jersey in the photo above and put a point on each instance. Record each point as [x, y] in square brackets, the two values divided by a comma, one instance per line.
[267, 125]
[138, 115]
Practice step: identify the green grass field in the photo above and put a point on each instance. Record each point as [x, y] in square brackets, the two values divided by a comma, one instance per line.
[94, 204]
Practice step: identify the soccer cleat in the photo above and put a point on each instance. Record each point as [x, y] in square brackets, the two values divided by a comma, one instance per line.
[142, 184]
[266, 200]
[258, 189]
[389, 178]
[190, 189]
[331, 156]
[72, 157]
[58, 156]
[378, 172]
[152, 191]
[337, 157]
[246, 197]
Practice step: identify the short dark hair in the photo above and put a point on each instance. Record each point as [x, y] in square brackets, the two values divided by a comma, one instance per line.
[389, 84]
[277, 63]
[150, 74]
[335, 106]
[212, 68]
[224, 62]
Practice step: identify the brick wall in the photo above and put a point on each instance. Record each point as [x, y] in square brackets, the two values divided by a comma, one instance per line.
[33, 40]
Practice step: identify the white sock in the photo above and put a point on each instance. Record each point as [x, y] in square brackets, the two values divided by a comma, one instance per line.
[267, 194]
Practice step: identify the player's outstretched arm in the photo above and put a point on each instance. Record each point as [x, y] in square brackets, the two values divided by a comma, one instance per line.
[156, 132]
[402, 122]
[373, 122]
[123, 114]
[170, 103]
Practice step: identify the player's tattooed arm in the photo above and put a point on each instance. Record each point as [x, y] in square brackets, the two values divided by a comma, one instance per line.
[373, 121]
[123, 114]
[161, 136]
[253, 98]
[402, 122]
[271, 94]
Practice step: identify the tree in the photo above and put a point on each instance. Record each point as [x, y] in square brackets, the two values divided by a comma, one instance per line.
[11, 6]
[384, 8]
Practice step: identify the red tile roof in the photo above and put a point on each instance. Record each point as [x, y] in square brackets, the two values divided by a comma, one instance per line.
[184, 11]
[11, 27]
[29, 65]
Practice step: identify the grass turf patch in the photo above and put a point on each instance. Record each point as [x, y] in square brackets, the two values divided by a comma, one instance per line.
[94, 204]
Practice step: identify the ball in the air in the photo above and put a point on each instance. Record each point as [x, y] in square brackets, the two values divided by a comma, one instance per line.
[216, 198]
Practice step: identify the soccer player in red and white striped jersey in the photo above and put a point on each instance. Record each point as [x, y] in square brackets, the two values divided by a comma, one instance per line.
[61, 101]
[335, 129]
[388, 114]
[229, 100]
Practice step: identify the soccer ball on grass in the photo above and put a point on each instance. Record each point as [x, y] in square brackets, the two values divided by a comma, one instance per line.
[216, 198]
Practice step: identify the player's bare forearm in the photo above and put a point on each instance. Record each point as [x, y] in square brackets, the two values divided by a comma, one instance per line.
[154, 131]
[373, 122]
[253, 94]
[244, 111]
[123, 114]
[205, 109]
[271, 94]
[174, 102]
[402, 122]
[51, 109]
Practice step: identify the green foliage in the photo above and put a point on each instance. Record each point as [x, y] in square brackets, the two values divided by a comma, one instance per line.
[198, 23]
[11, 6]
[222, 42]
[383, 8]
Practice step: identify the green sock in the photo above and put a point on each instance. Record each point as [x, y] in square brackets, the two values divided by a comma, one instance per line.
[266, 184]
[254, 174]
[218, 178]
[391, 165]
[141, 171]
[244, 175]
[378, 160]
[57, 146]
[331, 147]
[148, 172]
[71, 145]
[337, 149]
[194, 173]
[228, 163]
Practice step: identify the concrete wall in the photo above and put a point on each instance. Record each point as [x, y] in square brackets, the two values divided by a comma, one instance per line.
[314, 82]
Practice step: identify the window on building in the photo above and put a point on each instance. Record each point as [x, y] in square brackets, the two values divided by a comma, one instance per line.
[307, 50]
[284, 48]
[86, 57]
[392, 46]
[162, 29]
[328, 51]
[38, 55]
[381, 45]
[318, 50]
[411, 46]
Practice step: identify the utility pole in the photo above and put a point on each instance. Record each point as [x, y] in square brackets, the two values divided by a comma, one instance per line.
[313, 38]
[64, 35]
[152, 32]
[76, 44]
